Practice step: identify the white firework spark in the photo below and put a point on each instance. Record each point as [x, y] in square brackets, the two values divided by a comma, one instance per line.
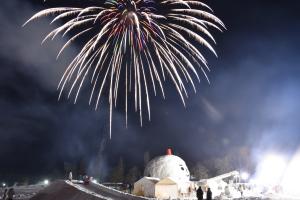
[139, 43]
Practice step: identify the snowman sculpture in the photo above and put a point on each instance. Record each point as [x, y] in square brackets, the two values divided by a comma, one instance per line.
[168, 166]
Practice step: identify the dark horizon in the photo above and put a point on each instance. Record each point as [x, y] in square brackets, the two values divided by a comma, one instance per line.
[251, 103]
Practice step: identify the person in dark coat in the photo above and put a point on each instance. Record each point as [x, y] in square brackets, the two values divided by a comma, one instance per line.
[10, 194]
[199, 193]
[4, 194]
[209, 194]
[130, 188]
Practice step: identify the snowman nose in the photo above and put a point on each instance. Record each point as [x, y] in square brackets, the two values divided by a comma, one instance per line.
[169, 151]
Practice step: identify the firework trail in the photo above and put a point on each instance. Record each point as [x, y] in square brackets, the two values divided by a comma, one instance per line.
[138, 43]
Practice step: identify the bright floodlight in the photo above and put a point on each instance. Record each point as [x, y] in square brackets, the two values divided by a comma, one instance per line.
[46, 182]
[94, 181]
[244, 176]
[271, 169]
[3, 184]
[291, 177]
[252, 181]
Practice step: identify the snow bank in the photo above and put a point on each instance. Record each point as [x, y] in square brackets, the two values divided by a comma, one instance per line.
[24, 192]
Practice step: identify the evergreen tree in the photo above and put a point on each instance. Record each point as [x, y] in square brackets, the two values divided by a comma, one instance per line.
[133, 175]
[117, 174]
[146, 158]
[81, 167]
[68, 166]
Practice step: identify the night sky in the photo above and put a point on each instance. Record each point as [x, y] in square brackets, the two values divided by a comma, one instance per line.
[252, 101]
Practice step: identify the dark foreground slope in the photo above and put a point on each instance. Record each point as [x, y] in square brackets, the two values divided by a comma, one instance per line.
[65, 190]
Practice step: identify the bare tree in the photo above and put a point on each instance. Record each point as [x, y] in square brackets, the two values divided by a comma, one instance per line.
[199, 171]
[238, 158]
[223, 165]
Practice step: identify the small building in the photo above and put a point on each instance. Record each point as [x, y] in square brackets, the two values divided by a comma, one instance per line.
[145, 187]
[167, 188]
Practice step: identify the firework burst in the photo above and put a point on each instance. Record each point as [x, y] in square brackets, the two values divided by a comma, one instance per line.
[138, 44]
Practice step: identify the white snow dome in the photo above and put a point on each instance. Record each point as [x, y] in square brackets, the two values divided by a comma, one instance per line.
[168, 166]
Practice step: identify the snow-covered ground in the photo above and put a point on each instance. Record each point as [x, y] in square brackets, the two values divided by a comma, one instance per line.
[25, 192]
[76, 190]
[70, 190]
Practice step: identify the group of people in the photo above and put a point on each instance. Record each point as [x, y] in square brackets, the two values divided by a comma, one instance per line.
[200, 194]
[8, 194]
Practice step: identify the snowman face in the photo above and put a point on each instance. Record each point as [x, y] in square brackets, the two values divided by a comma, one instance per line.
[168, 166]
[184, 170]
[181, 170]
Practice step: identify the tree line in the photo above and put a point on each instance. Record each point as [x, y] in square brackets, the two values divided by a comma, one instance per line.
[238, 158]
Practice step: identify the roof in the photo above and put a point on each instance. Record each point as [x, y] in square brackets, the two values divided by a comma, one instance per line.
[168, 181]
[150, 179]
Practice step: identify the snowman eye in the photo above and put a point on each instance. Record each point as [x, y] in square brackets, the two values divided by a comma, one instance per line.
[182, 168]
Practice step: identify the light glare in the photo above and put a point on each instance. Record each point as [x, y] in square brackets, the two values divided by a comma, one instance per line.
[291, 177]
[244, 176]
[271, 170]
[94, 181]
[46, 182]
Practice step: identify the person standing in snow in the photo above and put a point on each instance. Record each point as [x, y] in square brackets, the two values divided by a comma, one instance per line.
[241, 190]
[86, 180]
[70, 176]
[209, 194]
[227, 191]
[4, 194]
[130, 188]
[10, 194]
[200, 193]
